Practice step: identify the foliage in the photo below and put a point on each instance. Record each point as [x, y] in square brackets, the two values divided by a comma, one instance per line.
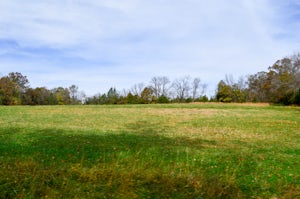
[296, 98]
[131, 99]
[147, 96]
[230, 93]
[279, 85]
[202, 99]
[74, 94]
[12, 87]
[15, 90]
[38, 96]
[112, 96]
[8, 92]
[163, 100]
[224, 92]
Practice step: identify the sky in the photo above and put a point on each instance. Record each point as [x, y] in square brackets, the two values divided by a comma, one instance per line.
[98, 44]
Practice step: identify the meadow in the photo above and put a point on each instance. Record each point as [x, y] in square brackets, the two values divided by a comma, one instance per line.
[150, 151]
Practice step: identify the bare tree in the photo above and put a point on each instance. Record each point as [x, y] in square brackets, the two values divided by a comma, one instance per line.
[182, 87]
[155, 85]
[164, 83]
[137, 89]
[124, 92]
[195, 87]
[159, 86]
[229, 80]
[241, 83]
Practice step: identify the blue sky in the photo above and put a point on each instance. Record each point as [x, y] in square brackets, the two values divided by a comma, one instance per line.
[97, 44]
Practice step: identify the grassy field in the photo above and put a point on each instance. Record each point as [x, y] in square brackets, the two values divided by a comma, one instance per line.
[150, 151]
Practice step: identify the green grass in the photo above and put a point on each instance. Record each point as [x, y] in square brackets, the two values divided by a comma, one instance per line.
[150, 151]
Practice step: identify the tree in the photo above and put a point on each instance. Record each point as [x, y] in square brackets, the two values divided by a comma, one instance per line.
[195, 87]
[147, 96]
[229, 80]
[231, 91]
[9, 94]
[224, 92]
[137, 89]
[284, 75]
[296, 98]
[159, 85]
[74, 94]
[182, 88]
[259, 86]
[96, 99]
[238, 93]
[62, 95]
[163, 100]
[279, 84]
[203, 98]
[12, 87]
[112, 96]
[164, 85]
[21, 82]
[82, 97]
[132, 99]
[37, 96]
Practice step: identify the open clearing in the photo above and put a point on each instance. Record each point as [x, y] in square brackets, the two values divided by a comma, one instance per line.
[150, 151]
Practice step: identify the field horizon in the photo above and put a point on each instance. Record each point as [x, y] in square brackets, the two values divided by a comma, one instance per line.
[197, 150]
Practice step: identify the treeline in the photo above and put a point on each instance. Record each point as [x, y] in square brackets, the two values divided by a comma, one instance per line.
[280, 84]
[15, 90]
[159, 90]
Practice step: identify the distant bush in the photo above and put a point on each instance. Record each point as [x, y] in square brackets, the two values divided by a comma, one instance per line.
[163, 100]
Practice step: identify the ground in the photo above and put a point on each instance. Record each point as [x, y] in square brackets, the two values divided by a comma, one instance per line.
[150, 151]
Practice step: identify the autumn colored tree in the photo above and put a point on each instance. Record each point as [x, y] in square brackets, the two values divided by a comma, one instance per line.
[21, 82]
[259, 87]
[62, 95]
[147, 96]
[38, 96]
[9, 95]
[279, 85]
[12, 87]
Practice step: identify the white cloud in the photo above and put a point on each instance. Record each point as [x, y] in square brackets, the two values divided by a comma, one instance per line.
[121, 42]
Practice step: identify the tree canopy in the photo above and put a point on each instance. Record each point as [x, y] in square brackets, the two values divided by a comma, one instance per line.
[280, 84]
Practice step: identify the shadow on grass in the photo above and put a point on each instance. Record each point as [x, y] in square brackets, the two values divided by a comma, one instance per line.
[141, 138]
[38, 163]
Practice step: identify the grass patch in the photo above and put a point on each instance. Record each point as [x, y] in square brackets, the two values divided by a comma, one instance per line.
[150, 151]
